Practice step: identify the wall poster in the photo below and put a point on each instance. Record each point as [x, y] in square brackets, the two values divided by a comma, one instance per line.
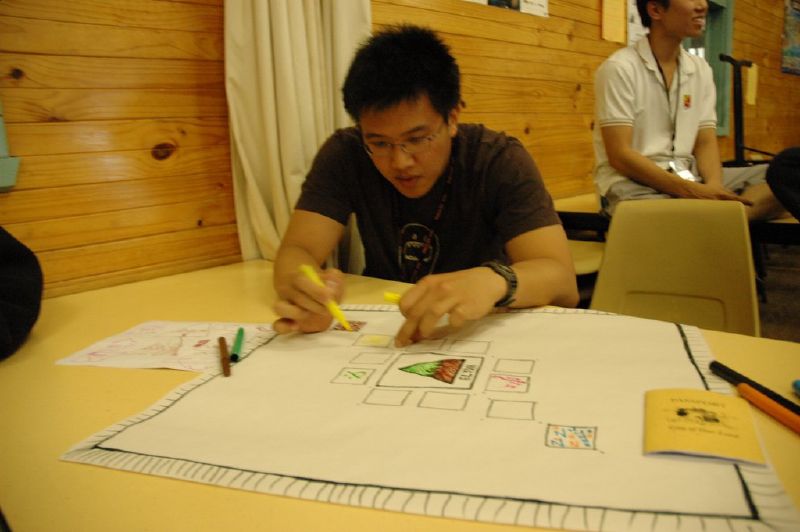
[791, 38]
[531, 7]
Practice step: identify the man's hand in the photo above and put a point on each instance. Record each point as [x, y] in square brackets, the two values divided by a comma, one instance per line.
[301, 303]
[711, 191]
[462, 296]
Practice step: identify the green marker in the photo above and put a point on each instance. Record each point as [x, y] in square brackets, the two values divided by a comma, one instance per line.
[237, 345]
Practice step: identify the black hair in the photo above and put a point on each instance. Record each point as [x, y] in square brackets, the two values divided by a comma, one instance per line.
[641, 6]
[400, 64]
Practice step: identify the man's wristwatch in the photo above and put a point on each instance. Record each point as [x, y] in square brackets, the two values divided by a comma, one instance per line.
[510, 277]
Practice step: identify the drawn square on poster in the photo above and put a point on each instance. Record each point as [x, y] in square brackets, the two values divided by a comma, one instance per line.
[377, 357]
[511, 410]
[432, 370]
[387, 397]
[508, 383]
[374, 340]
[444, 401]
[570, 437]
[475, 347]
[426, 345]
[353, 376]
[510, 365]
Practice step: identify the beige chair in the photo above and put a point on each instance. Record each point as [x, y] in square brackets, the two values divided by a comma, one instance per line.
[684, 261]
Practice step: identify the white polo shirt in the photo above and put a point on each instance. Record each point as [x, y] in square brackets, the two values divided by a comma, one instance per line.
[629, 91]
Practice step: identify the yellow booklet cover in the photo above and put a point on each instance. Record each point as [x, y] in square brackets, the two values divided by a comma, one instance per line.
[702, 423]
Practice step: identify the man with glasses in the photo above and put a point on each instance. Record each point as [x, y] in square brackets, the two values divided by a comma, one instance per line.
[456, 209]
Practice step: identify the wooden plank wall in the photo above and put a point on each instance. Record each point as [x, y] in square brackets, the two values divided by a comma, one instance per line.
[533, 77]
[117, 110]
[529, 76]
[774, 122]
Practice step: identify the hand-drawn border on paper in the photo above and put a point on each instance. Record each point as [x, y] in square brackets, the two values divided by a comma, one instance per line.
[770, 507]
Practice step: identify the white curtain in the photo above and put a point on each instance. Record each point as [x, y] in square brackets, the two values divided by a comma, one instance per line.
[285, 63]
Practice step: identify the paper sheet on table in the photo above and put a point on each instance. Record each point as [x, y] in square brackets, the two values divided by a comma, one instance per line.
[190, 346]
[531, 418]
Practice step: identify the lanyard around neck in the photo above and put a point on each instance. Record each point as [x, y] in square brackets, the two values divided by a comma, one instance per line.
[674, 117]
[426, 245]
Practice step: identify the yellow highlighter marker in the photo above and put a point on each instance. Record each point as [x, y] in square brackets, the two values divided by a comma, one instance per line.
[392, 297]
[333, 308]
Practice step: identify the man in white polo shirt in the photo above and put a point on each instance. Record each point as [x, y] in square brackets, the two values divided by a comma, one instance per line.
[655, 131]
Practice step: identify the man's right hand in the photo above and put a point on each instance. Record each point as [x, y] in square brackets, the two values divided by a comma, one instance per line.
[708, 191]
[301, 303]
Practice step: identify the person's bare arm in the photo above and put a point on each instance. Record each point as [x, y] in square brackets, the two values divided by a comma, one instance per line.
[309, 239]
[706, 152]
[545, 275]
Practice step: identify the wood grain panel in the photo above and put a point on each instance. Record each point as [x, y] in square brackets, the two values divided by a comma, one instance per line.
[559, 21]
[153, 14]
[72, 72]
[81, 284]
[772, 124]
[50, 234]
[25, 35]
[69, 105]
[117, 111]
[77, 200]
[43, 171]
[513, 68]
[463, 46]
[529, 126]
[77, 231]
[129, 254]
[532, 77]
[495, 94]
[114, 135]
[588, 12]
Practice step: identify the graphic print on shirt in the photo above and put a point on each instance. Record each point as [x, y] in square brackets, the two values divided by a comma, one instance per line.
[418, 251]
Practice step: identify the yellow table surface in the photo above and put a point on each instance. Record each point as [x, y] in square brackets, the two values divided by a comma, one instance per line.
[45, 409]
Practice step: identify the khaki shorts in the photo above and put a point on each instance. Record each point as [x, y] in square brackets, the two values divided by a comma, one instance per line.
[735, 179]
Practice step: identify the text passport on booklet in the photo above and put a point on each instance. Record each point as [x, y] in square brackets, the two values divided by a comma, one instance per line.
[700, 423]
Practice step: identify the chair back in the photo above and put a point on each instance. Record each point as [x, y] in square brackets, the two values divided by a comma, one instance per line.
[681, 260]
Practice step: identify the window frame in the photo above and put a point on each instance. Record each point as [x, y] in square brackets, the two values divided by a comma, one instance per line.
[718, 39]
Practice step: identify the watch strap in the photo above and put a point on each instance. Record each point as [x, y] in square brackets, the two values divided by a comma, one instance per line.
[507, 273]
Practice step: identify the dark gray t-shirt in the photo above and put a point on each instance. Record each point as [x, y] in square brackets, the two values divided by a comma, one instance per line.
[496, 194]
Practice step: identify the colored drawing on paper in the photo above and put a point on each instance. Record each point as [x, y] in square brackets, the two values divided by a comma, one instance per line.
[441, 370]
[431, 370]
[374, 340]
[571, 437]
[354, 326]
[181, 345]
[352, 376]
[508, 383]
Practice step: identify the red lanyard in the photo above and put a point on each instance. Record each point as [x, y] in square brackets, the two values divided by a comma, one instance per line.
[426, 244]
